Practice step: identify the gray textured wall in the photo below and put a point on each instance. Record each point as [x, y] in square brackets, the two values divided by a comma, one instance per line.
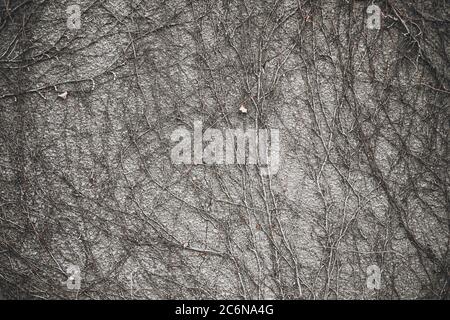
[88, 180]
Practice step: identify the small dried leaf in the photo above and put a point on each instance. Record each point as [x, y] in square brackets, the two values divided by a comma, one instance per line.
[63, 95]
[243, 109]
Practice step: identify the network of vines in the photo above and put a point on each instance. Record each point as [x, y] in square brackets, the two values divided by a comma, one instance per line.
[86, 176]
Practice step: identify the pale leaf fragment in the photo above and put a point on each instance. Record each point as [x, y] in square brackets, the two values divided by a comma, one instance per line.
[63, 95]
[243, 109]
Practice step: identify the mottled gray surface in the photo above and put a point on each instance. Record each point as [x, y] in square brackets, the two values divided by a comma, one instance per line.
[88, 180]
